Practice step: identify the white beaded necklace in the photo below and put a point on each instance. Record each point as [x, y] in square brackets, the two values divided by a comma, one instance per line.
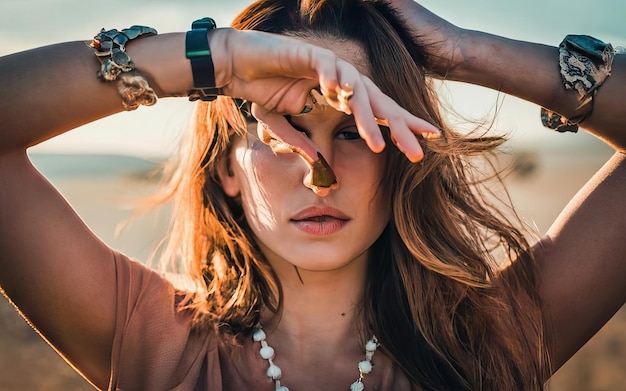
[274, 372]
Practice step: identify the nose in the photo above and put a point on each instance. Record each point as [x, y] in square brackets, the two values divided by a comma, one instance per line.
[320, 178]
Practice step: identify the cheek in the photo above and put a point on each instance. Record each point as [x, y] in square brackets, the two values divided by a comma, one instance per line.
[361, 173]
[361, 179]
[262, 170]
[265, 180]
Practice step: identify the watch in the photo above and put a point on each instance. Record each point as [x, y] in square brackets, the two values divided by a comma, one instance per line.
[198, 52]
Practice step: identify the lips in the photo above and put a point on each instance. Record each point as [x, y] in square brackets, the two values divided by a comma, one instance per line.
[313, 212]
[320, 221]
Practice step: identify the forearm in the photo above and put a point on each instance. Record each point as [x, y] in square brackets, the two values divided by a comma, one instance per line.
[50, 90]
[531, 71]
[527, 70]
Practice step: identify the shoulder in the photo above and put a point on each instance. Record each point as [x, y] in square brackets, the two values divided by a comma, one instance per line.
[154, 346]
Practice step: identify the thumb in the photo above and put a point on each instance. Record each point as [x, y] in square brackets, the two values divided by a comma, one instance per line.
[278, 133]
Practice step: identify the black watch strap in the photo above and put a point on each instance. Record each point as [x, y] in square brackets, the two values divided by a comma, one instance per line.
[198, 52]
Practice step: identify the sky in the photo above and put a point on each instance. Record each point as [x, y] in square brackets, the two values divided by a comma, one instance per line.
[152, 131]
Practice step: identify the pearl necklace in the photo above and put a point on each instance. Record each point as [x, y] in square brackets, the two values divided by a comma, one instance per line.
[274, 372]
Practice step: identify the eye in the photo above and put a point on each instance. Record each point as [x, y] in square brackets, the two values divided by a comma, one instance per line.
[349, 133]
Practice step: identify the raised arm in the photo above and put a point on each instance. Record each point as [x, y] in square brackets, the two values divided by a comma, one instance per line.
[582, 263]
[52, 267]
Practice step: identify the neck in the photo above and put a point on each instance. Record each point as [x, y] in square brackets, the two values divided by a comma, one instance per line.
[320, 311]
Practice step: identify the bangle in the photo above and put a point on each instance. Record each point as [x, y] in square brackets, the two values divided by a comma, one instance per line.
[110, 49]
[585, 64]
[198, 52]
[135, 92]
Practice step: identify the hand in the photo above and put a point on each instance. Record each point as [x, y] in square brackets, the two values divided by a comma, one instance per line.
[439, 37]
[277, 73]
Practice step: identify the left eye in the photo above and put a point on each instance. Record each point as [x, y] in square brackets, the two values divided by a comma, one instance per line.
[349, 134]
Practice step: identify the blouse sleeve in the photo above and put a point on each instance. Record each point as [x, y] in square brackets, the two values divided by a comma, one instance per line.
[154, 347]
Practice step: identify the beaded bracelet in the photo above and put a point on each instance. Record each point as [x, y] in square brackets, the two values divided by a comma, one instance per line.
[110, 49]
[585, 64]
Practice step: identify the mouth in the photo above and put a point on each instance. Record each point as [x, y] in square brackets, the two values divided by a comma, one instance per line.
[318, 212]
[320, 222]
[319, 219]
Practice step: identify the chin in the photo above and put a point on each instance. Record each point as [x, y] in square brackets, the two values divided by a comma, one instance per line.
[326, 261]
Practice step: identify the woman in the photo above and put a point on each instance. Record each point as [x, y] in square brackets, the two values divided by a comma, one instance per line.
[370, 245]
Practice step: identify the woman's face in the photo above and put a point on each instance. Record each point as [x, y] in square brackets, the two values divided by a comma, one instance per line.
[291, 223]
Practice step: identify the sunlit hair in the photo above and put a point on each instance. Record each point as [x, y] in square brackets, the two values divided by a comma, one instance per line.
[444, 294]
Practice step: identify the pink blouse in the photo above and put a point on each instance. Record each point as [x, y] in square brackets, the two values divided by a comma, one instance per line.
[155, 349]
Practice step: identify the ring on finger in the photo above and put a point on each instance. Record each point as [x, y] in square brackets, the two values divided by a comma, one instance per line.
[343, 97]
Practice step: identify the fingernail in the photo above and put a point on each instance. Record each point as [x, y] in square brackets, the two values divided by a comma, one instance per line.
[431, 136]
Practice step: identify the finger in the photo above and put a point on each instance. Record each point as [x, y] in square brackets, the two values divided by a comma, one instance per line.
[405, 140]
[403, 126]
[326, 67]
[382, 103]
[295, 98]
[358, 105]
[365, 119]
[405, 129]
[304, 60]
[278, 133]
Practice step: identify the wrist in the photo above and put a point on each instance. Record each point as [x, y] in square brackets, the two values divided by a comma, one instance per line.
[459, 59]
[204, 47]
[440, 39]
[218, 40]
[480, 58]
[162, 59]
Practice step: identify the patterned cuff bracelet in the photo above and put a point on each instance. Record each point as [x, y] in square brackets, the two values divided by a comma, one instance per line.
[585, 64]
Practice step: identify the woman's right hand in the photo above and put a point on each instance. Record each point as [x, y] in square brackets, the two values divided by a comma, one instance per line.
[277, 73]
[437, 35]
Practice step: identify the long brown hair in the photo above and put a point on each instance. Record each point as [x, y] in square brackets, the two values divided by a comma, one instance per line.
[439, 296]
